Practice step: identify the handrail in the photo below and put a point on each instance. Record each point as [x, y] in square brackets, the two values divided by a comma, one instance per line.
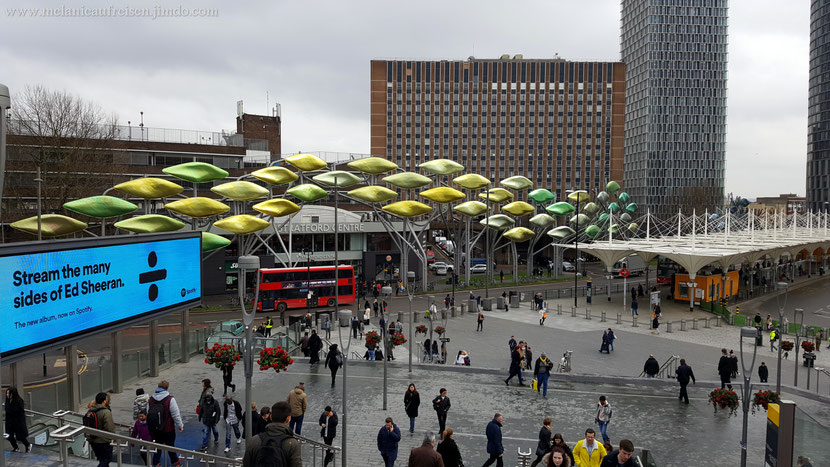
[664, 371]
[60, 414]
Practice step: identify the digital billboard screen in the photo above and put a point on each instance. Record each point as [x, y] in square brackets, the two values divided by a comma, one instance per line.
[50, 292]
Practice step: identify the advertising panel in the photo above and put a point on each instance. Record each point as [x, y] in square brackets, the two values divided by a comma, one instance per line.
[51, 292]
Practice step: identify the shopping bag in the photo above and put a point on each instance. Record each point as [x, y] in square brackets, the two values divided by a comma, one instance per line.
[534, 385]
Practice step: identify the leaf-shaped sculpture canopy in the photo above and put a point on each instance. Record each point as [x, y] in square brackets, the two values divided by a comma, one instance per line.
[373, 194]
[541, 195]
[373, 165]
[339, 178]
[150, 223]
[307, 192]
[240, 190]
[407, 180]
[442, 194]
[149, 187]
[470, 208]
[517, 182]
[196, 172]
[277, 207]
[441, 166]
[471, 181]
[306, 162]
[100, 207]
[275, 175]
[211, 241]
[407, 208]
[198, 207]
[518, 208]
[498, 221]
[519, 234]
[51, 225]
[242, 224]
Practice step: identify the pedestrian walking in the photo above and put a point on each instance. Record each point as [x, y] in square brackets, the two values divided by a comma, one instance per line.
[264, 420]
[334, 360]
[495, 448]
[164, 420]
[588, 452]
[763, 372]
[544, 445]
[724, 370]
[515, 366]
[634, 306]
[733, 364]
[315, 344]
[425, 455]
[260, 450]
[441, 404]
[655, 321]
[411, 402]
[327, 327]
[209, 413]
[480, 321]
[140, 402]
[388, 438]
[141, 431]
[355, 326]
[256, 421]
[512, 343]
[541, 372]
[232, 414]
[304, 344]
[16, 421]
[502, 275]
[376, 307]
[449, 451]
[328, 430]
[427, 350]
[527, 363]
[651, 367]
[269, 324]
[603, 417]
[227, 378]
[543, 315]
[559, 443]
[684, 373]
[99, 412]
[298, 401]
[640, 290]
[605, 346]
[557, 457]
[773, 336]
[610, 337]
[621, 457]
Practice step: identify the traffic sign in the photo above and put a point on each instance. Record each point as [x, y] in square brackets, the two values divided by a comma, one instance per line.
[624, 272]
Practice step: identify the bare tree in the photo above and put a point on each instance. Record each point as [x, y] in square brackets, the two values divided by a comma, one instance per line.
[70, 139]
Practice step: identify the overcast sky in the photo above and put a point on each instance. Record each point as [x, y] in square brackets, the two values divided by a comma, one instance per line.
[313, 58]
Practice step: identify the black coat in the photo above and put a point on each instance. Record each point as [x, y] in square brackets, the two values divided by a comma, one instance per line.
[315, 343]
[544, 439]
[515, 361]
[441, 405]
[209, 412]
[332, 424]
[724, 366]
[411, 402]
[733, 364]
[449, 453]
[763, 372]
[240, 415]
[16, 418]
[331, 361]
[652, 366]
[684, 374]
[567, 450]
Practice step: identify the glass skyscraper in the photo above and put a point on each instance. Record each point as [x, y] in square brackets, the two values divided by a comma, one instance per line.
[675, 53]
[818, 110]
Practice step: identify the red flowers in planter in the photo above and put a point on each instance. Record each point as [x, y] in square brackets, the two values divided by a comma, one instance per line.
[221, 355]
[372, 339]
[421, 329]
[274, 358]
[723, 399]
[398, 339]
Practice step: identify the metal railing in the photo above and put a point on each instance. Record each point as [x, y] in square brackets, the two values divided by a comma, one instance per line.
[67, 434]
[667, 368]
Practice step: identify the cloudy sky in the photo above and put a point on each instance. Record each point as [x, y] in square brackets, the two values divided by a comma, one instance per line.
[313, 58]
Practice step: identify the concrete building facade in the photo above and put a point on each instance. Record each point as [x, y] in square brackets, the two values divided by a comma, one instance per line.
[675, 53]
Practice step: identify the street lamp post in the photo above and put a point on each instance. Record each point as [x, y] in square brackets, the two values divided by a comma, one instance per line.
[248, 263]
[410, 276]
[797, 343]
[780, 286]
[386, 291]
[746, 333]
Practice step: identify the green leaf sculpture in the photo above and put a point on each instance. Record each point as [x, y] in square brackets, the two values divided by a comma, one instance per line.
[541, 195]
[407, 208]
[196, 172]
[470, 208]
[561, 232]
[373, 194]
[149, 187]
[373, 165]
[407, 180]
[277, 207]
[307, 192]
[100, 207]
[612, 187]
[211, 241]
[471, 181]
[339, 178]
[240, 190]
[498, 222]
[561, 208]
[519, 234]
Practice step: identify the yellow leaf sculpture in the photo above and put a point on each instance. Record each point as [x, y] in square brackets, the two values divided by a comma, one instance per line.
[340, 178]
[519, 234]
[275, 175]
[149, 187]
[442, 194]
[51, 225]
[242, 224]
[407, 208]
[441, 166]
[150, 223]
[471, 208]
[198, 207]
[517, 182]
[373, 165]
[518, 208]
[240, 190]
[306, 162]
[471, 181]
[496, 195]
[407, 180]
[277, 207]
[373, 194]
[579, 196]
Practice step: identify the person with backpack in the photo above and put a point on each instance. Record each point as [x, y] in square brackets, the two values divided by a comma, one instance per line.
[334, 360]
[16, 419]
[209, 412]
[232, 414]
[328, 430]
[142, 432]
[164, 419]
[276, 447]
[388, 438]
[99, 416]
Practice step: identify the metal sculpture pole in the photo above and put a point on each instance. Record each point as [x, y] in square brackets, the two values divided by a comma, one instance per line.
[785, 286]
[746, 332]
[247, 263]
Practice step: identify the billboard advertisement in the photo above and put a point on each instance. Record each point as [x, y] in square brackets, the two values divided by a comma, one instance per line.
[51, 292]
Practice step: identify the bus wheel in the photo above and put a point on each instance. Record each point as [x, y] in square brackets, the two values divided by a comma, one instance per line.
[281, 307]
[330, 302]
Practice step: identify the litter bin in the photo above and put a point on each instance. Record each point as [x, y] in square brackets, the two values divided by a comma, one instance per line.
[487, 304]
[514, 301]
[500, 303]
[809, 359]
[344, 316]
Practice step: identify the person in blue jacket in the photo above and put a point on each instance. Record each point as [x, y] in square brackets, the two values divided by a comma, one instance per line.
[388, 438]
[494, 446]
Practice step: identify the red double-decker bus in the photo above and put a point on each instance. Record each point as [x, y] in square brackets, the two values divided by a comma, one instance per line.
[285, 288]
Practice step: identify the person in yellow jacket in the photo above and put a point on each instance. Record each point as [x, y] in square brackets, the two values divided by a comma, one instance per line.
[588, 452]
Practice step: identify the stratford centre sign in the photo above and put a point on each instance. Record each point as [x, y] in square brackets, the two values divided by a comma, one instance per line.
[323, 228]
[58, 291]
